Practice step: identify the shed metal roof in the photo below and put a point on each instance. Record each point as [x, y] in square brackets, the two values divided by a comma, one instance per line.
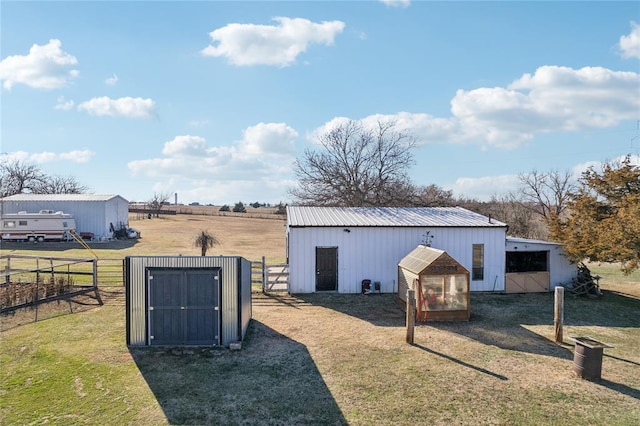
[516, 240]
[305, 216]
[60, 197]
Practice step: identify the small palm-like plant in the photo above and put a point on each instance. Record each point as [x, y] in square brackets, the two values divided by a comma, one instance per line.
[205, 240]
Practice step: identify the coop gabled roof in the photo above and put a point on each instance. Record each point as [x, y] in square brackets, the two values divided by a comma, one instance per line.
[303, 216]
[419, 258]
[423, 257]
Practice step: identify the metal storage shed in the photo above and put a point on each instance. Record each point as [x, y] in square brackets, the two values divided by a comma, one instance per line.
[187, 300]
[536, 266]
[92, 213]
[335, 248]
[440, 282]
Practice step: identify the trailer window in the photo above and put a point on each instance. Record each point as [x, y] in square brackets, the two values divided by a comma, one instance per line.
[9, 224]
[64, 225]
[22, 223]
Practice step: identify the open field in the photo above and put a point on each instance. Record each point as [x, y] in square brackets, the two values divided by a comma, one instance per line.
[244, 236]
[326, 358]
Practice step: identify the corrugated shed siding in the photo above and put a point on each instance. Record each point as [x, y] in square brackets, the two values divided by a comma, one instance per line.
[116, 211]
[136, 302]
[246, 311]
[230, 299]
[232, 311]
[91, 215]
[374, 253]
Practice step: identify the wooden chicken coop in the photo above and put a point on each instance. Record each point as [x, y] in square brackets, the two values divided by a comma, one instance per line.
[441, 285]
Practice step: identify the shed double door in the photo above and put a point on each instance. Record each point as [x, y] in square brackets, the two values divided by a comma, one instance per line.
[184, 306]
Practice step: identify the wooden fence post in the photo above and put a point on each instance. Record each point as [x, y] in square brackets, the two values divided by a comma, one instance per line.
[558, 314]
[411, 314]
[95, 281]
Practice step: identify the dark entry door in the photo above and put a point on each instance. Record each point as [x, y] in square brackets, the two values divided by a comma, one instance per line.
[326, 268]
[183, 306]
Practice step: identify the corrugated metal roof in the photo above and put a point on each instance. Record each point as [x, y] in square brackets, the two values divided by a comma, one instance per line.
[302, 216]
[60, 197]
[517, 240]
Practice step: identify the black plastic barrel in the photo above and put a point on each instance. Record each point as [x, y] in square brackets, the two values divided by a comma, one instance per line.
[366, 286]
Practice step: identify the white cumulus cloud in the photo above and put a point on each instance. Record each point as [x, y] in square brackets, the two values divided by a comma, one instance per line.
[396, 3]
[185, 146]
[483, 188]
[277, 45]
[578, 169]
[76, 156]
[45, 67]
[63, 104]
[268, 138]
[111, 81]
[629, 44]
[121, 107]
[553, 99]
[265, 153]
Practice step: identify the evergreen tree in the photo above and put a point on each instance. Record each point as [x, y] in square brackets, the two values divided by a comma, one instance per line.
[603, 224]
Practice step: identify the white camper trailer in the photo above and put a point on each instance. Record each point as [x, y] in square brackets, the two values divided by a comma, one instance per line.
[41, 226]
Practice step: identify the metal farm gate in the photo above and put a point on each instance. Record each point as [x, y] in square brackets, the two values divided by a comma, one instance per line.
[271, 278]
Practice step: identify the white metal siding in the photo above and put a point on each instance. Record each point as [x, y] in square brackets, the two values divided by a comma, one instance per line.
[374, 253]
[90, 215]
[561, 270]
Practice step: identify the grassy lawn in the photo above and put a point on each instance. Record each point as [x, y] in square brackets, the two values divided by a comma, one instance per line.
[334, 359]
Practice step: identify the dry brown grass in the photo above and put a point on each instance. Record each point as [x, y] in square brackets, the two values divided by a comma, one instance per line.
[248, 237]
[243, 236]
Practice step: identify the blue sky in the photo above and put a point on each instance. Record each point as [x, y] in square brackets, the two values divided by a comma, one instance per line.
[215, 100]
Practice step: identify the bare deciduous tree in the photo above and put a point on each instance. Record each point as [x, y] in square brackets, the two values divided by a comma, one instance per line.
[434, 196]
[357, 166]
[61, 185]
[547, 192]
[158, 201]
[17, 177]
